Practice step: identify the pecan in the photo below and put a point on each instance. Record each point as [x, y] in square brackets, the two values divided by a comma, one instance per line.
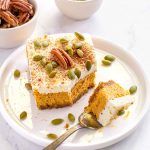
[9, 17]
[23, 18]
[4, 4]
[22, 5]
[62, 58]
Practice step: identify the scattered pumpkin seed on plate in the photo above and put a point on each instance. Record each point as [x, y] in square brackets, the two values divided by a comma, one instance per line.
[52, 136]
[109, 57]
[16, 73]
[37, 57]
[57, 121]
[133, 89]
[28, 86]
[71, 117]
[79, 36]
[71, 74]
[52, 74]
[106, 62]
[77, 72]
[88, 65]
[80, 53]
[23, 115]
[121, 112]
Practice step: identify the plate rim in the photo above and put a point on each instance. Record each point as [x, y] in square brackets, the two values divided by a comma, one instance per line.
[40, 141]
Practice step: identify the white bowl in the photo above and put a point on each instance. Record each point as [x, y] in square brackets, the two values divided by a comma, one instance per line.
[13, 37]
[78, 9]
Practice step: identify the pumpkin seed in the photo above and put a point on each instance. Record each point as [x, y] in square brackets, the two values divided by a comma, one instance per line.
[121, 112]
[52, 136]
[57, 121]
[80, 53]
[109, 57]
[106, 62]
[28, 86]
[37, 44]
[23, 115]
[43, 62]
[45, 43]
[63, 41]
[71, 117]
[49, 68]
[88, 65]
[79, 36]
[77, 45]
[71, 75]
[133, 89]
[16, 73]
[54, 64]
[52, 74]
[77, 72]
[70, 52]
[37, 57]
[67, 47]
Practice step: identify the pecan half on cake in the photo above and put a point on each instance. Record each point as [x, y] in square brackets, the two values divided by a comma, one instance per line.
[62, 68]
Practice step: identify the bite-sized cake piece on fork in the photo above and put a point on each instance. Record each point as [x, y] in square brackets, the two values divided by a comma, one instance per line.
[108, 99]
[62, 68]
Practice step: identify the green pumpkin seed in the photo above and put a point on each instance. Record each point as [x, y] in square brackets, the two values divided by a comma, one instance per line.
[79, 36]
[71, 117]
[45, 43]
[77, 72]
[52, 74]
[69, 50]
[37, 44]
[71, 75]
[37, 57]
[80, 53]
[121, 112]
[78, 45]
[54, 64]
[106, 62]
[52, 136]
[49, 68]
[16, 73]
[133, 89]
[88, 65]
[109, 57]
[43, 62]
[28, 86]
[67, 47]
[63, 41]
[57, 121]
[23, 115]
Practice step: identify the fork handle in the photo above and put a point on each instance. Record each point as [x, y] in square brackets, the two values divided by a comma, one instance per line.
[64, 136]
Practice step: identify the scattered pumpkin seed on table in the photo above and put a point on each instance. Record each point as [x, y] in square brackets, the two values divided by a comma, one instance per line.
[133, 89]
[23, 115]
[80, 53]
[63, 41]
[79, 36]
[121, 112]
[57, 121]
[28, 86]
[106, 62]
[77, 72]
[49, 68]
[16, 73]
[54, 64]
[37, 57]
[52, 74]
[109, 57]
[52, 136]
[37, 44]
[88, 65]
[71, 75]
[71, 117]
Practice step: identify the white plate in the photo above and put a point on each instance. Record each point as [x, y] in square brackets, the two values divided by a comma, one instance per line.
[15, 98]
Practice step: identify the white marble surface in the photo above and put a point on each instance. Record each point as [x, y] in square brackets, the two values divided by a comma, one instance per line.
[125, 22]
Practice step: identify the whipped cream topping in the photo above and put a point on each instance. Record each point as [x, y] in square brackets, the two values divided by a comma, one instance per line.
[113, 107]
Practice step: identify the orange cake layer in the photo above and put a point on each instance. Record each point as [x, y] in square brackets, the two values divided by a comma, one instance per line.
[62, 99]
[104, 92]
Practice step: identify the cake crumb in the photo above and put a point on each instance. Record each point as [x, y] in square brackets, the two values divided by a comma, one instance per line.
[66, 126]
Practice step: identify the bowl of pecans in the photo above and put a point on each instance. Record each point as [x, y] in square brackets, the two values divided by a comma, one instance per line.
[18, 19]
